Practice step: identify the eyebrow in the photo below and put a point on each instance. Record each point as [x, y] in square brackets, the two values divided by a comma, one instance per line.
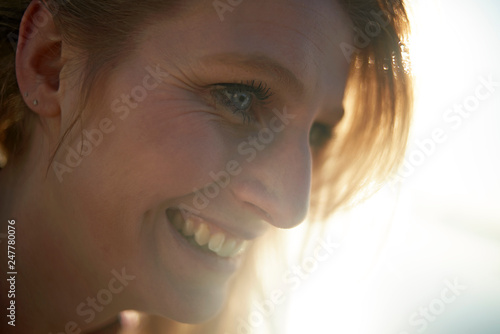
[263, 64]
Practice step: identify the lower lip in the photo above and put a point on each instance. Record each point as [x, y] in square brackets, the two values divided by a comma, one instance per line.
[210, 261]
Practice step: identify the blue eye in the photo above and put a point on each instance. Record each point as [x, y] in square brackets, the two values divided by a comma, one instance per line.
[241, 98]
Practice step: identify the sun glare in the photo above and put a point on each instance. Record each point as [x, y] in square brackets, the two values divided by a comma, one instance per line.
[438, 229]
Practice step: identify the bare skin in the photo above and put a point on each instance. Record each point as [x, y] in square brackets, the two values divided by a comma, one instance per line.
[103, 225]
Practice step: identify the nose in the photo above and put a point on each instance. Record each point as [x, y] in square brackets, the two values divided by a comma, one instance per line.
[276, 182]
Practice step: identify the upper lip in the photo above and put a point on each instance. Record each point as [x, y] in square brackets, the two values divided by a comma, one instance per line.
[246, 229]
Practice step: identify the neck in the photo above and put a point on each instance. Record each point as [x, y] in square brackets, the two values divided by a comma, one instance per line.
[46, 285]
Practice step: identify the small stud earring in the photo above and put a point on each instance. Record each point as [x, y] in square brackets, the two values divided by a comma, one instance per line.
[35, 102]
[26, 94]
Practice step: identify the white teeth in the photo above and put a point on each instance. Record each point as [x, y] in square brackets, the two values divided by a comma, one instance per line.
[202, 235]
[232, 248]
[188, 229]
[227, 249]
[216, 242]
[219, 243]
[239, 248]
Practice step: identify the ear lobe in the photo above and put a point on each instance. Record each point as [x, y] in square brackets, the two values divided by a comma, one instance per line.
[38, 60]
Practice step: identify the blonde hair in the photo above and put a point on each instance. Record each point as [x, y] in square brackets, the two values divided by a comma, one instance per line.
[368, 143]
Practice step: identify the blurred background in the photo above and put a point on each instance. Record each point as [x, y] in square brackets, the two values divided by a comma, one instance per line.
[423, 255]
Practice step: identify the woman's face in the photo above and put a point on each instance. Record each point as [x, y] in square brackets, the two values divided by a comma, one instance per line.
[203, 130]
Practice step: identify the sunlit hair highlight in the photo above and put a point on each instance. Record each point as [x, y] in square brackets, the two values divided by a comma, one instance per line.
[368, 143]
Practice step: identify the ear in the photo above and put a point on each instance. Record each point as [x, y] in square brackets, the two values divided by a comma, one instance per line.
[38, 60]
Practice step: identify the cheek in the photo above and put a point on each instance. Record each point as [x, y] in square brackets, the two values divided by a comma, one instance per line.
[164, 153]
[186, 147]
[161, 152]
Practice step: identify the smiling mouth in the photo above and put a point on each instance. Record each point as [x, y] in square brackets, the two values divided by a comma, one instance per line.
[204, 236]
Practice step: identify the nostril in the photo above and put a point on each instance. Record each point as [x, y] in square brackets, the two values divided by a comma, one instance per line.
[262, 213]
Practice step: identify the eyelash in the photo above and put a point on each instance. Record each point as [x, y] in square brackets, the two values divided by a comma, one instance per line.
[259, 91]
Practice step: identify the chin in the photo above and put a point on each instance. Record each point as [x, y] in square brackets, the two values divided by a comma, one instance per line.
[195, 309]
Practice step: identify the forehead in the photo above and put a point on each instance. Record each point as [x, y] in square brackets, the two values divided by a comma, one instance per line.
[302, 35]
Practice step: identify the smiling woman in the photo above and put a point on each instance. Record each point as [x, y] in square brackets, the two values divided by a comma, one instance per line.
[150, 151]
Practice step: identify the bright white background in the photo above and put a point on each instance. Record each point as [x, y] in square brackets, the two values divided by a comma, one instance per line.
[399, 248]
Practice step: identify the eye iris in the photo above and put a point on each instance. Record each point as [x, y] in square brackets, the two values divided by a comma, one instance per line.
[241, 100]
